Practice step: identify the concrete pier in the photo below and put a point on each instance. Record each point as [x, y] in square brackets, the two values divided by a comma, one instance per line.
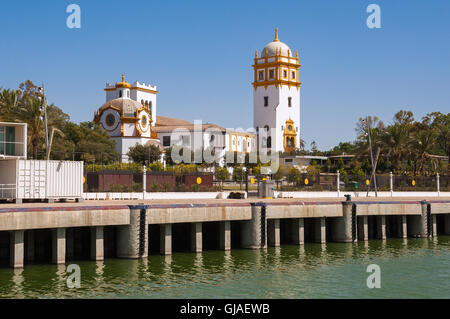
[254, 231]
[165, 244]
[225, 235]
[320, 230]
[133, 238]
[434, 221]
[17, 248]
[273, 232]
[381, 227]
[59, 246]
[341, 228]
[67, 227]
[97, 243]
[418, 225]
[196, 237]
[298, 231]
[363, 228]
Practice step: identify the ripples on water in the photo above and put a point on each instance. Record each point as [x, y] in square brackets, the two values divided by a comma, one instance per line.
[412, 268]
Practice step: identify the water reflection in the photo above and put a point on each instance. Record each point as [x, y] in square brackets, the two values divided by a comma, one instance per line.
[18, 280]
[290, 271]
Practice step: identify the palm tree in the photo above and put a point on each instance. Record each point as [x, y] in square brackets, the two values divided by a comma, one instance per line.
[422, 142]
[395, 141]
[8, 105]
[31, 113]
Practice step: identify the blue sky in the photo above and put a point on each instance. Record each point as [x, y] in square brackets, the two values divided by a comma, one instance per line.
[199, 54]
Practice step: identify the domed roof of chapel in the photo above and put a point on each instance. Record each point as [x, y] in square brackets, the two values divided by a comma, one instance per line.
[128, 106]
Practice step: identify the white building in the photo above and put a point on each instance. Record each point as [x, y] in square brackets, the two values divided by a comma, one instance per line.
[128, 115]
[203, 136]
[276, 97]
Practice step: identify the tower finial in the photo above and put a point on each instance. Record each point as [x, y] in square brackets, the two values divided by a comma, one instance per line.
[256, 54]
[123, 77]
[276, 35]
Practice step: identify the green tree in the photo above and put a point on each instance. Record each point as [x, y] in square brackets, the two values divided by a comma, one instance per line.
[293, 175]
[344, 148]
[87, 141]
[279, 174]
[144, 154]
[222, 174]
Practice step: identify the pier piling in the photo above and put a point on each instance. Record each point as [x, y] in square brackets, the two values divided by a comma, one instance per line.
[298, 231]
[381, 227]
[320, 230]
[165, 242]
[97, 243]
[363, 228]
[273, 232]
[132, 239]
[254, 231]
[196, 237]
[225, 235]
[17, 248]
[59, 246]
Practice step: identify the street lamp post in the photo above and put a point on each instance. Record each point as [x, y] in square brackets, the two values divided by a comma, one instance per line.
[42, 91]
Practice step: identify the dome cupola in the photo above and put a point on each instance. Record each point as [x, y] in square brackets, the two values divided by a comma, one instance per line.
[276, 47]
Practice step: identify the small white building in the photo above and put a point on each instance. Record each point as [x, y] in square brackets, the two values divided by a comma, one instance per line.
[34, 179]
[195, 136]
[276, 97]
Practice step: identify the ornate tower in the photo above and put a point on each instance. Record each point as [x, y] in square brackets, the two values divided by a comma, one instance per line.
[276, 97]
[128, 115]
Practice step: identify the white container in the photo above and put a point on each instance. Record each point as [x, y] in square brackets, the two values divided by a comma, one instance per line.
[36, 179]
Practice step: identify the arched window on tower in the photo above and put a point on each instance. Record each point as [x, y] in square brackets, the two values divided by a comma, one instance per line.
[120, 93]
[269, 142]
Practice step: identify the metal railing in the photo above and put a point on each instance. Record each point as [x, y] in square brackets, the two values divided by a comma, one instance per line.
[7, 191]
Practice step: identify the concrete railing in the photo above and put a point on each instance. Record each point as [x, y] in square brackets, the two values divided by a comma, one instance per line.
[358, 194]
[277, 194]
[155, 195]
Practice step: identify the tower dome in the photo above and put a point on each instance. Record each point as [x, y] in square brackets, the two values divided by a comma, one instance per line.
[123, 84]
[272, 48]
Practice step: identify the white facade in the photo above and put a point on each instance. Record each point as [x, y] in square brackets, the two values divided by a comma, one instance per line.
[139, 92]
[276, 97]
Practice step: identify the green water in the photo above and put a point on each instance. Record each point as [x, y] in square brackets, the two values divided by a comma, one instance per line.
[412, 268]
